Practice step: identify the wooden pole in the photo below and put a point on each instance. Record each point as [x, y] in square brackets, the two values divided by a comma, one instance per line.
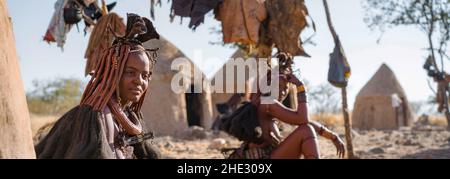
[347, 124]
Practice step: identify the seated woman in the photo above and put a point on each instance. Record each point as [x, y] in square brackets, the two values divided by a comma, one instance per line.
[254, 123]
[108, 124]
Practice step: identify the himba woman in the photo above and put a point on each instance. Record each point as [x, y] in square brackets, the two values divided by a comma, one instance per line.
[255, 124]
[108, 124]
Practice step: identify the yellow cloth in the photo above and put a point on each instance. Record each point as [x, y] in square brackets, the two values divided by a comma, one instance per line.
[301, 89]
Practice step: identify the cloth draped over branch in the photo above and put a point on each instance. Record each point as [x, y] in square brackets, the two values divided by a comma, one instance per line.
[241, 20]
[58, 29]
[194, 9]
[261, 23]
[287, 19]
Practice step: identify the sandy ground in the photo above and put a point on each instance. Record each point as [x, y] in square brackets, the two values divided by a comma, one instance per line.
[425, 142]
[431, 143]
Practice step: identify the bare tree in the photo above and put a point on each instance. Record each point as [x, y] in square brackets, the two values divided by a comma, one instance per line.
[54, 97]
[324, 99]
[430, 16]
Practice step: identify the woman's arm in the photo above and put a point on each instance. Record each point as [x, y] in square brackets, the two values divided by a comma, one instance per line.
[279, 111]
[287, 115]
[330, 135]
[323, 131]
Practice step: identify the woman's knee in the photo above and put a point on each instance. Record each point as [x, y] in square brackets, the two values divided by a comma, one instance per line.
[308, 141]
[305, 131]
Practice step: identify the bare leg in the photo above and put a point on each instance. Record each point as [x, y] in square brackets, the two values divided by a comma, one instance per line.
[300, 142]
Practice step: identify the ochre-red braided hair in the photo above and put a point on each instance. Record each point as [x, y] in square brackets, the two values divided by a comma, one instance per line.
[108, 72]
[104, 84]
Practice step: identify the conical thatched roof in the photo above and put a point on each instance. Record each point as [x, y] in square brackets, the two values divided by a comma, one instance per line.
[383, 83]
[167, 53]
[238, 54]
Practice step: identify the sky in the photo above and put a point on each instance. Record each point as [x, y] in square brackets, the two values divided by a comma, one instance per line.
[402, 48]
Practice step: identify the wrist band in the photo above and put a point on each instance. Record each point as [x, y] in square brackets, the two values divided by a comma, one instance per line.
[320, 132]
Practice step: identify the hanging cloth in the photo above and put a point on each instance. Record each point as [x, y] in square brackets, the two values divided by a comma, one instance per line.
[241, 20]
[339, 71]
[287, 19]
[58, 29]
[195, 9]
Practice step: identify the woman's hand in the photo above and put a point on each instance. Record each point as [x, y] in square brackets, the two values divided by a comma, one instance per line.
[339, 144]
[275, 133]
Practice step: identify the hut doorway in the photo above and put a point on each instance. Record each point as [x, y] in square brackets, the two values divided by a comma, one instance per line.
[400, 110]
[404, 112]
[193, 107]
[401, 116]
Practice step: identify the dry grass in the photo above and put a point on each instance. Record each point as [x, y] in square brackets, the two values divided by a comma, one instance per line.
[329, 120]
[38, 121]
[336, 120]
[438, 120]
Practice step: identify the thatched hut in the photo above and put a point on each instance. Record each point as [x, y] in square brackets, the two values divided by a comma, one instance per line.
[382, 103]
[169, 113]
